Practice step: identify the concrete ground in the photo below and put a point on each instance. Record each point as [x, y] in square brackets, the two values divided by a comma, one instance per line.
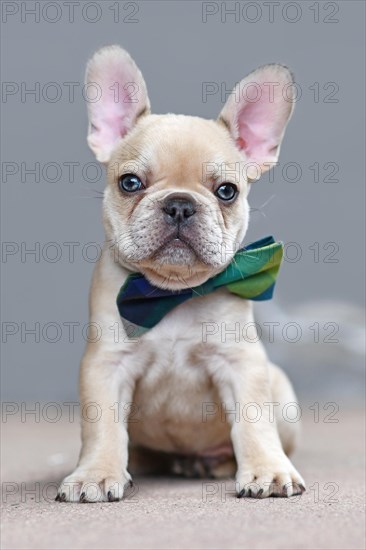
[176, 513]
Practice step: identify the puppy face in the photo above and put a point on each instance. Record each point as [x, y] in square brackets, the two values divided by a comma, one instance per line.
[175, 228]
[175, 206]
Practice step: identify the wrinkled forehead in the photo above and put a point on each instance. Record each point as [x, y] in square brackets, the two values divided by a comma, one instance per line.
[176, 148]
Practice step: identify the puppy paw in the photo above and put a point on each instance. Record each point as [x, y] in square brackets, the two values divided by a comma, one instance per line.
[93, 486]
[275, 480]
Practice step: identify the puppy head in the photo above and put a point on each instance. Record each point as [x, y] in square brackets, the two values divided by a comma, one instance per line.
[175, 207]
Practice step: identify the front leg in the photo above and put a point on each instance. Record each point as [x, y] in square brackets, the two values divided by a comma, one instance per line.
[263, 468]
[101, 473]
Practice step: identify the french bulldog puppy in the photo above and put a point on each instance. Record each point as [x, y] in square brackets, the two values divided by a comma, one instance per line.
[176, 197]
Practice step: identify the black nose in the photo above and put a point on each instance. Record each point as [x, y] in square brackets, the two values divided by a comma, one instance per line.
[179, 209]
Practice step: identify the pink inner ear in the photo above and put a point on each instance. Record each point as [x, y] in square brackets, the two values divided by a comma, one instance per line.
[121, 98]
[260, 125]
[256, 141]
[113, 112]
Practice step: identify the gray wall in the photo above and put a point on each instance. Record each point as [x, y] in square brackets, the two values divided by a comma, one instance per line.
[178, 52]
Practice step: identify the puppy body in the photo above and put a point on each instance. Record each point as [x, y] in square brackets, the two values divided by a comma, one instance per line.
[175, 380]
[180, 388]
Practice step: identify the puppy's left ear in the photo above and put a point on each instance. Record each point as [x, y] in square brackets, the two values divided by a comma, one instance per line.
[256, 114]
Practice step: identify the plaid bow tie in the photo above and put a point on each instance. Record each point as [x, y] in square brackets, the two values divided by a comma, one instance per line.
[251, 275]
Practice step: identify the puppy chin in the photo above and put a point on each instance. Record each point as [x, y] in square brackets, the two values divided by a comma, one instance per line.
[176, 253]
[175, 277]
[176, 268]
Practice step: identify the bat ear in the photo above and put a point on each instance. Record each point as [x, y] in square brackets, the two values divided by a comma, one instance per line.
[257, 112]
[121, 99]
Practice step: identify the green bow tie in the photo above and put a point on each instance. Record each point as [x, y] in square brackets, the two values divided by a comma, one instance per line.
[251, 275]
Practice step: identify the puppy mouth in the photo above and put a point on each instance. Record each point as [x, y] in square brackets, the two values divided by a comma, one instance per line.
[178, 241]
[175, 242]
[177, 262]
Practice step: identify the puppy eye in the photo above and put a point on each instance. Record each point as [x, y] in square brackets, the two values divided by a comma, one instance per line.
[226, 191]
[130, 183]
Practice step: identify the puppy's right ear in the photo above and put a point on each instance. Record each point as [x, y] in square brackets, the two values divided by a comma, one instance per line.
[119, 99]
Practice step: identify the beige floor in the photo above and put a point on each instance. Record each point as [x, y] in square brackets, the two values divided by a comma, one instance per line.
[187, 514]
